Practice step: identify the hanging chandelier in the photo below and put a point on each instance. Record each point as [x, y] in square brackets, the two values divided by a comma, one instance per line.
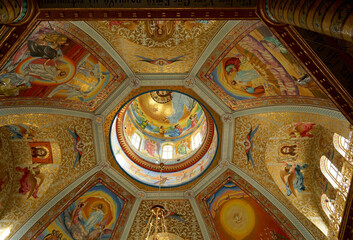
[156, 227]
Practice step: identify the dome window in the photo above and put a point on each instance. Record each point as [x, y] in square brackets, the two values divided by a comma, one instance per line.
[167, 152]
[136, 140]
[196, 141]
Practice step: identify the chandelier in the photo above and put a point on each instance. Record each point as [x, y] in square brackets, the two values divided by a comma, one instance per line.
[156, 227]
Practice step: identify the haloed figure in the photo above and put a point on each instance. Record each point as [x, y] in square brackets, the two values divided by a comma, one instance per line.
[39, 152]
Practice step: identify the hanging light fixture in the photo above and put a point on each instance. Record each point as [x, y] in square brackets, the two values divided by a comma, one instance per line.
[156, 228]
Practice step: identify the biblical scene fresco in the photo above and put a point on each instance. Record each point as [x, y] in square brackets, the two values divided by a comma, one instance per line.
[93, 215]
[237, 216]
[166, 114]
[33, 166]
[260, 66]
[286, 148]
[251, 63]
[155, 46]
[152, 178]
[150, 148]
[160, 118]
[233, 209]
[51, 65]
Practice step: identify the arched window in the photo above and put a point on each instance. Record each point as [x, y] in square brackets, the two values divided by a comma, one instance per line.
[136, 140]
[330, 172]
[167, 152]
[327, 205]
[341, 144]
[196, 141]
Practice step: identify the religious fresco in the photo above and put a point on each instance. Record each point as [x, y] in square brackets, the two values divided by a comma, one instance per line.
[54, 65]
[237, 216]
[180, 218]
[233, 209]
[251, 63]
[96, 209]
[34, 163]
[155, 46]
[93, 215]
[175, 120]
[286, 150]
[154, 178]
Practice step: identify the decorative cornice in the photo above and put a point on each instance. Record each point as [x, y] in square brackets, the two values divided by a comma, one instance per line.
[45, 110]
[88, 14]
[291, 108]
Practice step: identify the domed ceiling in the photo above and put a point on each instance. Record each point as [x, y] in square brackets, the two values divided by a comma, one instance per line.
[163, 127]
[90, 110]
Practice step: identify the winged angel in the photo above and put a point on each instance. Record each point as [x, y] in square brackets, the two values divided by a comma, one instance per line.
[29, 180]
[293, 178]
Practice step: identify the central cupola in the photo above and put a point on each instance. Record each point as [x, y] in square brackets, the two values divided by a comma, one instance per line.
[165, 127]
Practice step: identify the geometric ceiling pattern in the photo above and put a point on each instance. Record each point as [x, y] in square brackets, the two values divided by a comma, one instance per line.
[64, 85]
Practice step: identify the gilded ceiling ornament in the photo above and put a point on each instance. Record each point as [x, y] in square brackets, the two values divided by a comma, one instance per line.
[189, 194]
[223, 164]
[227, 117]
[189, 82]
[141, 194]
[99, 119]
[161, 96]
[134, 82]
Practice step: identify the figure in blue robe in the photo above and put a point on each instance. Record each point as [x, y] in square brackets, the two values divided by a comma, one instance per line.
[296, 180]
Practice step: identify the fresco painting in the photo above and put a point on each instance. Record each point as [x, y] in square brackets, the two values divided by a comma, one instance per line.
[150, 146]
[51, 65]
[236, 215]
[41, 152]
[160, 61]
[94, 215]
[289, 166]
[260, 66]
[158, 46]
[31, 180]
[248, 144]
[152, 178]
[78, 146]
[175, 118]
[21, 132]
[160, 33]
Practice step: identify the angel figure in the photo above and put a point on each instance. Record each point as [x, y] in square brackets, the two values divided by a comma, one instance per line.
[29, 180]
[295, 178]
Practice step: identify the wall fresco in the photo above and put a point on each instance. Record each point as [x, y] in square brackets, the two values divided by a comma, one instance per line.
[286, 146]
[54, 65]
[155, 46]
[251, 63]
[152, 122]
[30, 183]
[98, 208]
[233, 209]
[93, 215]
[152, 178]
[237, 216]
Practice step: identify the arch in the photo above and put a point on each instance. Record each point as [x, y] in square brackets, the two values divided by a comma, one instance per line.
[196, 141]
[136, 140]
[167, 151]
[327, 205]
[341, 144]
[330, 172]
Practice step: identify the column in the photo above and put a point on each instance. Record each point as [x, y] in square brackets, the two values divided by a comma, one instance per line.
[329, 17]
